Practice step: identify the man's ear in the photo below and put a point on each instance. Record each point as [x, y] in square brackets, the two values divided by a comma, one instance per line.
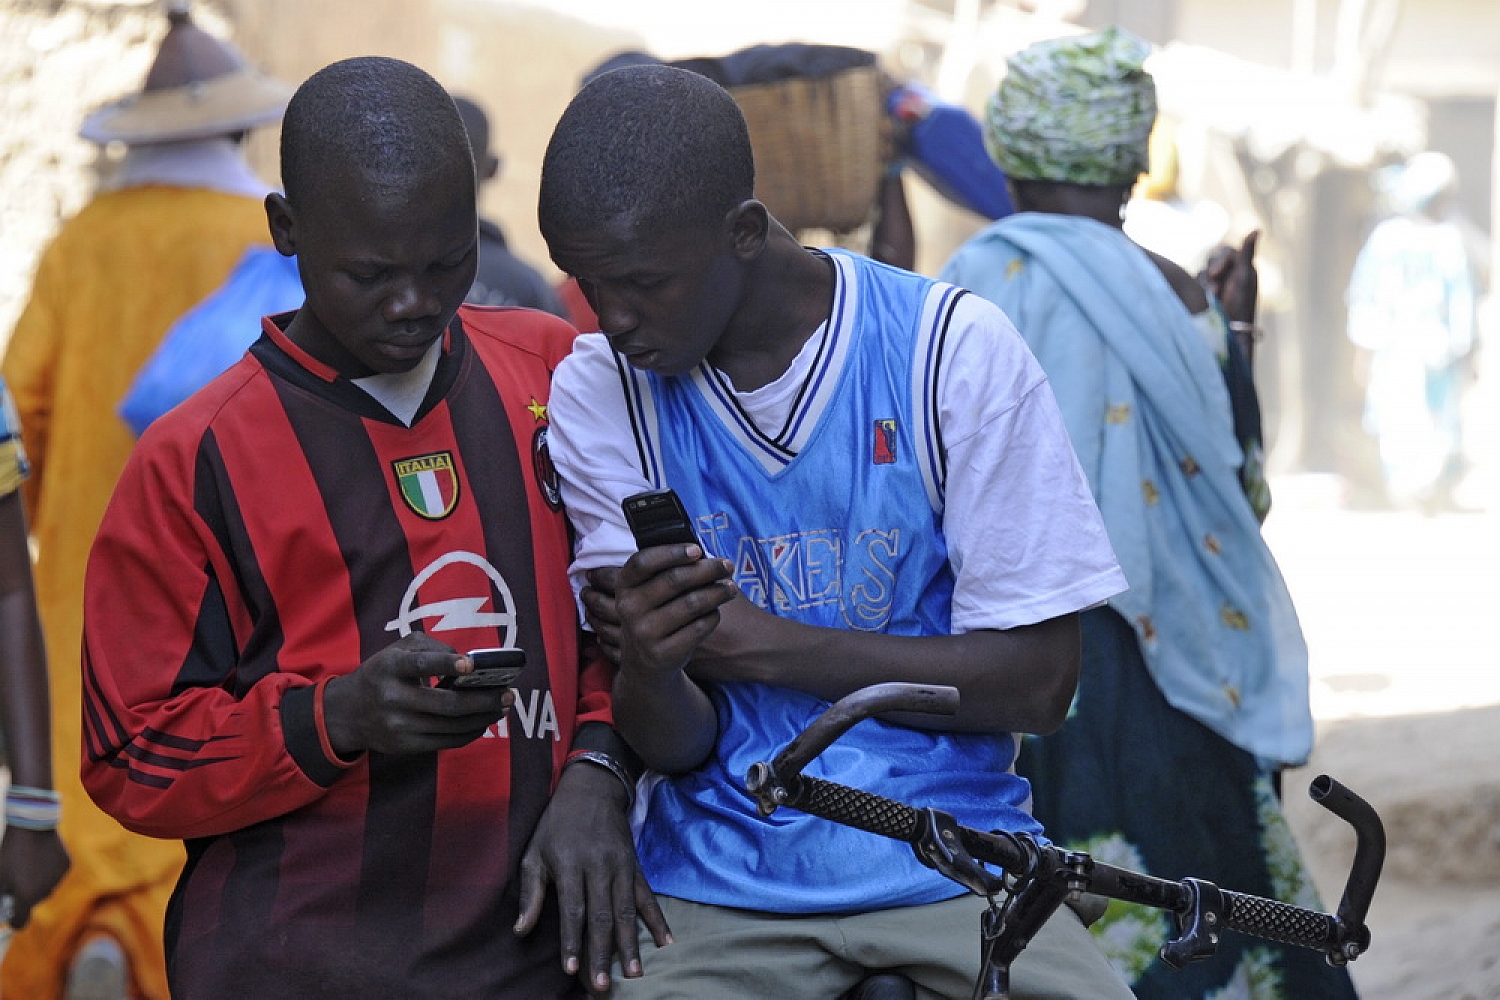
[282, 222]
[749, 226]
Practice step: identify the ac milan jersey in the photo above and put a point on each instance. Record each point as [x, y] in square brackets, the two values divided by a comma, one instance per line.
[276, 531]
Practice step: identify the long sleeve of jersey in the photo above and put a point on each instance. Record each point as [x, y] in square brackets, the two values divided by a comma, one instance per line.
[171, 747]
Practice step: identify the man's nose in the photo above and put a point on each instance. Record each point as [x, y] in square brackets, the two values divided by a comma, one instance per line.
[615, 317]
[413, 299]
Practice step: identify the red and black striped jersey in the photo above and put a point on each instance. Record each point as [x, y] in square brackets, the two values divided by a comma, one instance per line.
[274, 531]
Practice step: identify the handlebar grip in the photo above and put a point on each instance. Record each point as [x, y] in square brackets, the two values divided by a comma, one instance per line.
[1277, 921]
[854, 807]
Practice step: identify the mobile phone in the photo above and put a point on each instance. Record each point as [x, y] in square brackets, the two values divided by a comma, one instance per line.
[492, 668]
[657, 517]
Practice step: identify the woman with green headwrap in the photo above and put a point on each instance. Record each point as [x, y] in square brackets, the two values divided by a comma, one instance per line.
[1194, 692]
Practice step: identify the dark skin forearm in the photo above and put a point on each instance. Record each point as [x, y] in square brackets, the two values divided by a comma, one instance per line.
[1231, 276]
[668, 720]
[1016, 680]
[667, 605]
[32, 862]
[893, 240]
[24, 710]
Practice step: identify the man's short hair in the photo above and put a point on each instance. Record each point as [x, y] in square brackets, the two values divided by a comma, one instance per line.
[654, 143]
[384, 116]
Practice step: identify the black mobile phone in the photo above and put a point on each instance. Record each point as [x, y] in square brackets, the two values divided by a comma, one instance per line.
[492, 668]
[657, 517]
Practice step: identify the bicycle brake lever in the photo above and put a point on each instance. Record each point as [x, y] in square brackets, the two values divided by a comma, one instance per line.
[940, 846]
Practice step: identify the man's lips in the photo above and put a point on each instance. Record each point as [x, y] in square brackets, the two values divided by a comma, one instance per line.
[640, 357]
[411, 341]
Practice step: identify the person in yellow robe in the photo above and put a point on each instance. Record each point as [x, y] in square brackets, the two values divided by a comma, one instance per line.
[182, 208]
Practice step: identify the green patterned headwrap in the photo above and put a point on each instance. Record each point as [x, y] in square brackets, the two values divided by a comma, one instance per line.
[1076, 109]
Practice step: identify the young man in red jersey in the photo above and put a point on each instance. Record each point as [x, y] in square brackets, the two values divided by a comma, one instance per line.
[295, 556]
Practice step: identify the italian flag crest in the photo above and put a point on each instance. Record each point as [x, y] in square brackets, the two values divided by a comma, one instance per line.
[428, 484]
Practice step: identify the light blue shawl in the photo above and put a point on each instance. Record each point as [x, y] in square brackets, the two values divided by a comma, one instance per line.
[1146, 406]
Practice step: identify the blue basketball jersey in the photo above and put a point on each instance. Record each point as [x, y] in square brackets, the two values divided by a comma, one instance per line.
[833, 519]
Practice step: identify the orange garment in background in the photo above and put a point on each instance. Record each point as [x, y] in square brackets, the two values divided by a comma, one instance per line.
[107, 289]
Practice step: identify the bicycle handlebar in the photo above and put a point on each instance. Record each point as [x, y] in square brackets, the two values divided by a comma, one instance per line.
[958, 851]
[933, 699]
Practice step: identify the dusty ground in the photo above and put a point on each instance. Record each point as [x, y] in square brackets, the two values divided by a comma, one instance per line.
[1435, 921]
[1399, 613]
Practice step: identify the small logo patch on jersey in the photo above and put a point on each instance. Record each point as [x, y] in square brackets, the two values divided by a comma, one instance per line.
[884, 452]
[428, 484]
[546, 472]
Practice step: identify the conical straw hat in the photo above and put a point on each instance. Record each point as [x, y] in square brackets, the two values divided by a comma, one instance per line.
[198, 87]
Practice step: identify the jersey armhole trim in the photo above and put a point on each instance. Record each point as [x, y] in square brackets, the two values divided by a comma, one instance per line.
[931, 355]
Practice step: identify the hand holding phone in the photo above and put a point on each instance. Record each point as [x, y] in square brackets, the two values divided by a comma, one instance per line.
[492, 668]
[657, 517]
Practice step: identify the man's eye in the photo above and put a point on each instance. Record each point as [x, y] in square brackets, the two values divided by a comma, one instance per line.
[646, 284]
[366, 277]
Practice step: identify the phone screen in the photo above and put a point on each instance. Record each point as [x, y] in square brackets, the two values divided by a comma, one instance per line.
[492, 668]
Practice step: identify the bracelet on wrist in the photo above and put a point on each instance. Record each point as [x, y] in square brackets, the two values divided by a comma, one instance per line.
[601, 759]
[29, 808]
[1242, 328]
[603, 737]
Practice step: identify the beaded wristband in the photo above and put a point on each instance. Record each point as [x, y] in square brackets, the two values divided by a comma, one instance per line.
[601, 759]
[32, 808]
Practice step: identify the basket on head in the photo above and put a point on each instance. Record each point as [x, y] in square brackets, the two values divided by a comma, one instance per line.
[820, 144]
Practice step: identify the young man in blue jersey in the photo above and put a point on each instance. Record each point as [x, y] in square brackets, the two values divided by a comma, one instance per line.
[878, 472]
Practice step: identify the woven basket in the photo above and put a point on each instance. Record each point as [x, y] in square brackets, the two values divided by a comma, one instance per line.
[820, 147]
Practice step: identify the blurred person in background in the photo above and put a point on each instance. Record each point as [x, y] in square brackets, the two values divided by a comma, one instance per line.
[503, 279]
[1194, 691]
[32, 856]
[1162, 219]
[937, 140]
[1412, 317]
[181, 209]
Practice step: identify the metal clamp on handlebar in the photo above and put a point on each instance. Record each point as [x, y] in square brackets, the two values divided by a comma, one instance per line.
[1197, 926]
[770, 792]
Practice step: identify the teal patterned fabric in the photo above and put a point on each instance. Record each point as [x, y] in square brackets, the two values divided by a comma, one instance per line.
[1140, 785]
[1077, 109]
